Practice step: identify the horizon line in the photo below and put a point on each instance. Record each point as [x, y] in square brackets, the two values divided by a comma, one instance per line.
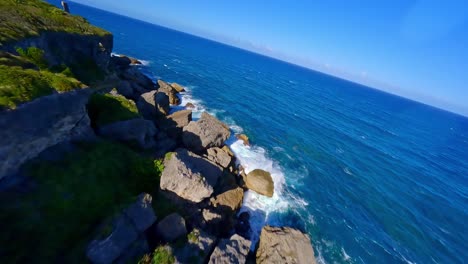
[462, 114]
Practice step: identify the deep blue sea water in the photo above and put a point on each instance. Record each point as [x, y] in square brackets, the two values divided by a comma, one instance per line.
[371, 177]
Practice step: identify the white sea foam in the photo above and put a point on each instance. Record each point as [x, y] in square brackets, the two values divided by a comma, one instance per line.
[143, 62]
[250, 157]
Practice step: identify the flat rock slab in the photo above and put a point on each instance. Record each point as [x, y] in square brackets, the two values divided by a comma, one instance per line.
[284, 245]
[190, 176]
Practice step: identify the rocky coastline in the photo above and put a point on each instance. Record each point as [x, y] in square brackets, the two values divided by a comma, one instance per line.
[185, 207]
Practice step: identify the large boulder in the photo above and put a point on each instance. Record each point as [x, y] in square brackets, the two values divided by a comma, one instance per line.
[284, 245]
[137, 130]
[189, 176]
[260, 181]
[174, 123]
[141, 212]
[232, 250]
[127, 230]
[169, 91]
[162, 103]
[124, 88]
[35, 126]
[205, 133]
[178, 87]
[219, 156]
[230, 200]
[135, 76]
[197, 249]
[172, 227]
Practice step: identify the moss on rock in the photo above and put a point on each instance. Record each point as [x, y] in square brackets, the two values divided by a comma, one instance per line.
[28, 18]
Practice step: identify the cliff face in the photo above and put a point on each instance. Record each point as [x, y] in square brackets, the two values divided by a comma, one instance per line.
[70, 49]
[58, 52]
[42, 123]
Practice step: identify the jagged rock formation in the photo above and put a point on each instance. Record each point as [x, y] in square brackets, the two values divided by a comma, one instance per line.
[284, 245]
[205, 133]
[232, 250]
[189, 176]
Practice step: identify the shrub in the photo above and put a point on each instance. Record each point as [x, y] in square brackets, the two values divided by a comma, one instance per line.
[72, 197]
[35, 55]
[161, 255]
[106, 108]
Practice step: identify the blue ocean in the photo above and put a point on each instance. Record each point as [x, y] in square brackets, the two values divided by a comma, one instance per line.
[371, 177]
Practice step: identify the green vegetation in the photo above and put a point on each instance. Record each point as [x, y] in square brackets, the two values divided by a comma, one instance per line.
[18, 85]
[70, 199]
[35, 55]
[27, 18]
[106, 108]
[168, 155]
[193, 236]
[161, 255]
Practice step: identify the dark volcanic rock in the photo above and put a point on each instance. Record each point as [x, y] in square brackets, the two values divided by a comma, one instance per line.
[189, 176]
[284, 245]
[205, 133]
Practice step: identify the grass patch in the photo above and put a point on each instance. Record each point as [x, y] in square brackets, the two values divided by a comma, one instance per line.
[27, 18]
[72, 197]
[35, 55]
[161, 255]
[18, 85]
[193, 236]
[106, 108]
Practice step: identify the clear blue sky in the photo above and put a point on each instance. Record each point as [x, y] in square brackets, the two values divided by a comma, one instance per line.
[417, 49]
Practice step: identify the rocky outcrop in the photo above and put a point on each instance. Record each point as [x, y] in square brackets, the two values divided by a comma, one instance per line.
[189, 176]
[70, 49]
[40, 124]
[140, 131]
[233, 250]
[174, 123]
[244, 138]
[127, 228]
[205, 133]
[219, 156]
[177, 87]
[140, 83]
[284, 245]
[189, 106]
[169, 91]
[229, 200]
[162, 103]
[197, 249]
[260, 181]
[172, 227]
[125, 88]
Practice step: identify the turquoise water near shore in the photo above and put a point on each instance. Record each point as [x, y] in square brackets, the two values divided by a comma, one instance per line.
[371, 177]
